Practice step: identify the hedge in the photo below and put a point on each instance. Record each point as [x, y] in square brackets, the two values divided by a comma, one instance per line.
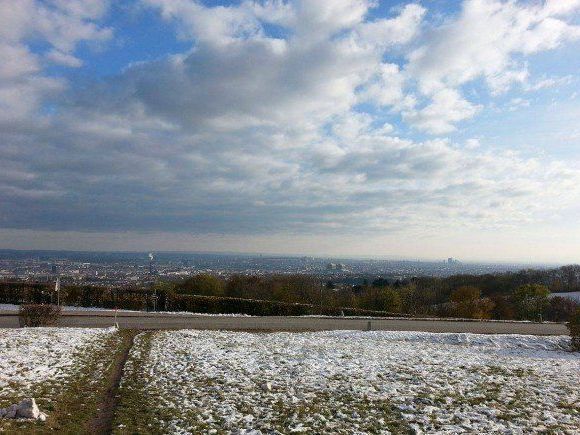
[255, 307]
[142, 299]
[80, 296]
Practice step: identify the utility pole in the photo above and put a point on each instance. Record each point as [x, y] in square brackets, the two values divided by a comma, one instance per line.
[115, 296]
[57, 290]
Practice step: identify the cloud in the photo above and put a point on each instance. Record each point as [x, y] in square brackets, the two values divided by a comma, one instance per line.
[64, 59]
[548, 82]
[464, 48]
[60, 25]
[251, 131]
[438, 117]
[390, 31]
[235, 76]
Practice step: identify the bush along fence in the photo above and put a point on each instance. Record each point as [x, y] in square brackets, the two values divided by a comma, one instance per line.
[82, 296]
[35, 315]
[574, 326]
[167, 300]
[255, 307]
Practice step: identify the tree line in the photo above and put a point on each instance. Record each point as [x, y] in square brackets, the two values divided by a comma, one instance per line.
[523, 295]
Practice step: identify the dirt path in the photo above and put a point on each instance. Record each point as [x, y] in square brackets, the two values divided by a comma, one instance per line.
[103, 422]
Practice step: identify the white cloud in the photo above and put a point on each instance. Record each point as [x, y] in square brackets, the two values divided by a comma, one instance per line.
[60, 24]
[560, 7]
[502, 81]
[16, 61]
[481, 41]
[549, 82]
[518, 103]
[318, 20]
[219, 25]
[234, 79]
[446, 108]
[390, 31]
[486, 40]
[387, 88]
[472, 143]
[64, 59]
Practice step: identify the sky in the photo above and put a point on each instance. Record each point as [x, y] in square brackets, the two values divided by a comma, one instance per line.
[400, 129]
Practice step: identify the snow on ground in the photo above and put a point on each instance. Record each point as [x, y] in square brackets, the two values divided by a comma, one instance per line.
[361, 382]
[15, 308]
[32, 356]
[575, 296]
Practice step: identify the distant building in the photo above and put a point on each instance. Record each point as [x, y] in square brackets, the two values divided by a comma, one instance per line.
[151, 260]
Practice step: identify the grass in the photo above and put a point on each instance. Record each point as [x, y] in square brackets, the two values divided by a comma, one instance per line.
[134, 413]
[72, 403]
[144, 409]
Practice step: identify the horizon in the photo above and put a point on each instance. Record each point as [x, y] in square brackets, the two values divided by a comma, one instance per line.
[267, 255]
[338, 129]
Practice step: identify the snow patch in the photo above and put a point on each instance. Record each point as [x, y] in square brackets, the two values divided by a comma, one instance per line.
[31, 356]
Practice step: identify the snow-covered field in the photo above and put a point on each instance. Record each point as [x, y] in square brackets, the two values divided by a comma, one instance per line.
[357, 382]
[30, 357]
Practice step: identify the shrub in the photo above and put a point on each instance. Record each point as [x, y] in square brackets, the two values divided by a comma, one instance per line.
[531, 300]
[35, 315]
[381, 299]
[503, 308]
[574, 327]
[282, 288]
[561, 309]
[467, 302]
[465, 293]
[202, 284]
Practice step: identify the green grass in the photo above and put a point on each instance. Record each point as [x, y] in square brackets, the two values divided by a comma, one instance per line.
[136, 412]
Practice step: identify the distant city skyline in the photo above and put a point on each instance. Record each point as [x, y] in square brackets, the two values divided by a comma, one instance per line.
[136, 268]
[122, 248]
[347, 128]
